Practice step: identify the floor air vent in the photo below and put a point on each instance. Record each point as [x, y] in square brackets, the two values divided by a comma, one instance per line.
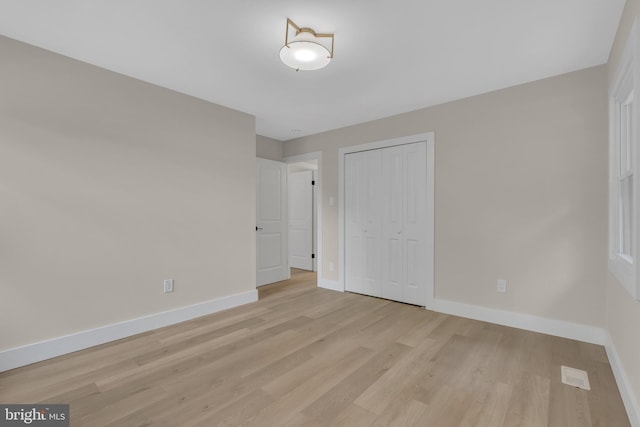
[575, 377]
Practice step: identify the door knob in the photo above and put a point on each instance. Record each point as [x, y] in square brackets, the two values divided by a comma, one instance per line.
[258, 228]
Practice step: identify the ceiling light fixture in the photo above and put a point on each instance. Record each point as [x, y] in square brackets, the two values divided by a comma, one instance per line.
[304, 51]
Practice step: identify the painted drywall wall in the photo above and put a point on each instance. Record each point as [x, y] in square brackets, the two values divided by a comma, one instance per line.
[269, 148]
[623, 312]
[520, 194]
[110, 185]
[623, 318]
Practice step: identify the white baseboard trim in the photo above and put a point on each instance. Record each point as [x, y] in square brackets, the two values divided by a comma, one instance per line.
[628, 396]
[329, 284]
[559, 328]
[39, 351]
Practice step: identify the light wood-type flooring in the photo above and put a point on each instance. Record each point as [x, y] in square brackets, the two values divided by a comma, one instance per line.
[303, 356]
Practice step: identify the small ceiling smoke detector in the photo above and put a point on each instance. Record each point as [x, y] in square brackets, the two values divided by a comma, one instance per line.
[305, 50]
[575, 377]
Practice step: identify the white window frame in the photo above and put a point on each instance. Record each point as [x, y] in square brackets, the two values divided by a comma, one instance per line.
[624, 90]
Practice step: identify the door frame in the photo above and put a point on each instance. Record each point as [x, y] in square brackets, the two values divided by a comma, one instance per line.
[429, 137]
[317, 191]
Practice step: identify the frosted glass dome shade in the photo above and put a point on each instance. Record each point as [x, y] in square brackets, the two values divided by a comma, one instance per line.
[305, 55]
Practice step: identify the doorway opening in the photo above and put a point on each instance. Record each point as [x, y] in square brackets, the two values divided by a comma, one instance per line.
[304, 212]
[301, 215]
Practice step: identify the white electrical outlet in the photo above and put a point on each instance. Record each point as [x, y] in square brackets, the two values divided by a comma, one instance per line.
[331, 266]
[168, 285]
[501, 286]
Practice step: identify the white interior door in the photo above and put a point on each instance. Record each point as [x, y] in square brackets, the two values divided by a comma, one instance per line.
[354, 218]
[414, 224]
[271, 222]
[363, 226]
[373, 224]
[392, 219]
[385, 223]
[300, 214]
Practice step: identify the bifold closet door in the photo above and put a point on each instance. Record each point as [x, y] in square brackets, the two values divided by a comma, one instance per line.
[363, 223]
[404, 214]
[385, 223]
[393, 188]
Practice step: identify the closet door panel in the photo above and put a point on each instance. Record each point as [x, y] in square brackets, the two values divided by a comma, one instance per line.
[372, 230]
[414, 223]
[393, 183]
[354, 212]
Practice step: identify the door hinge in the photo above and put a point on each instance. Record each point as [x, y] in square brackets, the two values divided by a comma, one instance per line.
[313, 255]
[313, 183]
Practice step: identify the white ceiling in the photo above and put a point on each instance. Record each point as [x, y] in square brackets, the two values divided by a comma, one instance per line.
[391, 56]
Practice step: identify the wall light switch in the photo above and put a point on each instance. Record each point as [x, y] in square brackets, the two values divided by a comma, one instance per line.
[501, 286]
[168, 285]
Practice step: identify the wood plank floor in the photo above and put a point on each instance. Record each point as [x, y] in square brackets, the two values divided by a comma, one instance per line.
[303, 356]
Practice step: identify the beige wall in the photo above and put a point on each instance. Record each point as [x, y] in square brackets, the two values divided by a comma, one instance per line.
[268, 148]
[110, 185]
[521, 184]
[623, 312]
